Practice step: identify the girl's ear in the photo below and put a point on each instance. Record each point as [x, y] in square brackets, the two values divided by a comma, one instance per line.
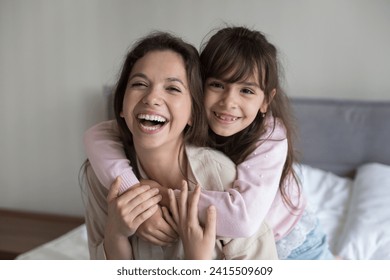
[264, 106]
[189, 123]
[121, 114]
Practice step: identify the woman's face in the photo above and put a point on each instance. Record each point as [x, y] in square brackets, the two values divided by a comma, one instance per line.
[231, 107]
[157, 101]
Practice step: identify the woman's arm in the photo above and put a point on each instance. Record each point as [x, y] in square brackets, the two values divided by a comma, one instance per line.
[106, 154]
[110, 218]
[126, 213]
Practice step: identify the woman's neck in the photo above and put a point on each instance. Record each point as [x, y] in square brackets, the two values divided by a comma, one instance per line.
[168, 167]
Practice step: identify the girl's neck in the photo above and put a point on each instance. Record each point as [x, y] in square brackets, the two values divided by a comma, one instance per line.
[168, 167]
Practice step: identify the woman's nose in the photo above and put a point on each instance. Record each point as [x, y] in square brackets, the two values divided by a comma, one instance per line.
[152, 97]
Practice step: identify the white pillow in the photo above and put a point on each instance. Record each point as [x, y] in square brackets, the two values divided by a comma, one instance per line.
[328, 195]
[367, 231]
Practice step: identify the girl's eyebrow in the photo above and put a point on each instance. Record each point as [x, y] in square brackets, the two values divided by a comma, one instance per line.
[250, 84]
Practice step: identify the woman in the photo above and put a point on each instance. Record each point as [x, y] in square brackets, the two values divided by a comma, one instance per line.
[160, 115]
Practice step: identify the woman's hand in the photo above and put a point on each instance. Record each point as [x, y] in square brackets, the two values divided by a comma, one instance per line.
[125, 214]
[156, 229]
[198, 242]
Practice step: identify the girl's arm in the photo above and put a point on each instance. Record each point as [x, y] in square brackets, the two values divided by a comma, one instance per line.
[106, 154]
[240, 210]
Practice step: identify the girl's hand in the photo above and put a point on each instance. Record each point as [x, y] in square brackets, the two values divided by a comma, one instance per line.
[198, 242]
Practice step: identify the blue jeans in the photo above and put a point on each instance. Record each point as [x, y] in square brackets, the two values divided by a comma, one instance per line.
[315, 247]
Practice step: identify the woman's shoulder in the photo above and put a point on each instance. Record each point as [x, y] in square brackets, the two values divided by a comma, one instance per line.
[209, 155]
[211, 168]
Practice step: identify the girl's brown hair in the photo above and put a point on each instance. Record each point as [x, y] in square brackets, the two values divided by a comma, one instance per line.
[233, 54]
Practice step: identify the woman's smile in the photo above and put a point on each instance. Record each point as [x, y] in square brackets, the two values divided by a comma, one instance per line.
[151, 123]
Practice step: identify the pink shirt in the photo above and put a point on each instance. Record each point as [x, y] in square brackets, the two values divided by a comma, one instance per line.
[254, 198]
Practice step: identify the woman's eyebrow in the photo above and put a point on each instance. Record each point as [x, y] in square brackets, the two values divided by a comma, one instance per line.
[173, 79]
[141, 75]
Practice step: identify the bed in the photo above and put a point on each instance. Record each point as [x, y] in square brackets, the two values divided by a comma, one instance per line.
[345, 173]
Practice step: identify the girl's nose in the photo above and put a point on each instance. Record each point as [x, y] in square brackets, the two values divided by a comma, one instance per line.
[229, 99]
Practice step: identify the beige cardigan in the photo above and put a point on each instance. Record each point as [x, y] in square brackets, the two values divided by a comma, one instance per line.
[210, 169]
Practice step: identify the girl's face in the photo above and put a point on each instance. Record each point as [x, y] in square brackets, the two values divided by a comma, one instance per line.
[157, 102]
[232, 107]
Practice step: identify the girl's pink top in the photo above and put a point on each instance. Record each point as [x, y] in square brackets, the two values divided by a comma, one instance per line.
[254, 198]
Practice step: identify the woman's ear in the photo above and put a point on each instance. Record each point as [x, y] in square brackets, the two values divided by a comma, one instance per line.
[121, 114]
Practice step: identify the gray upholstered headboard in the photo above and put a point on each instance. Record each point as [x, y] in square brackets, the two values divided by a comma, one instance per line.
[340, 135]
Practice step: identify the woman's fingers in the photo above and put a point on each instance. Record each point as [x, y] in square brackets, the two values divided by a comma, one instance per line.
[173, 206]
[114, 190]
[192, 204]
[170, 219]
[136, 221]
[142, 202]
[183, 201]
[210, 230]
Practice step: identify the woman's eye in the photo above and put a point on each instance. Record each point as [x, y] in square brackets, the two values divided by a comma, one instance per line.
[138, 84]
[174, 89]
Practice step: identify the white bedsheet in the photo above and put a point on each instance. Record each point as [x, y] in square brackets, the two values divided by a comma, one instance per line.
[354, 213]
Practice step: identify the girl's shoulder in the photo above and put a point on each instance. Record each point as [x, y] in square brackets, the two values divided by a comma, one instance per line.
[274, 129]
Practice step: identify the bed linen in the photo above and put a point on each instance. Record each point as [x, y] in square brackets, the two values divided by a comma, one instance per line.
[353, 212]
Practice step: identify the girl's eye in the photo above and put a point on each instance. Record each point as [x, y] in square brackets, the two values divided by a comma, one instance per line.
[247, 91]
[216, 84]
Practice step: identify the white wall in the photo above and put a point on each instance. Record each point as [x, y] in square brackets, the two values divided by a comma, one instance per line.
[56, 55]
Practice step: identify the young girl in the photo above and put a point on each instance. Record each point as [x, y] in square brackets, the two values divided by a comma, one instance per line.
[160, 116]
[249, 120]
